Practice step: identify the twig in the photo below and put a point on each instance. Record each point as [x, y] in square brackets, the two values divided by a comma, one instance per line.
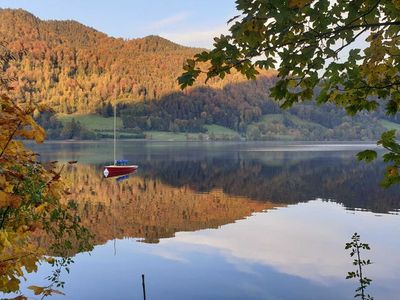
[144, 288]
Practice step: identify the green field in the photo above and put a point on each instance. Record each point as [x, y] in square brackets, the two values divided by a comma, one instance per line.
[175, 136]
[105, 127]
[272, 117]
[285, 127]
[221, 131]
[93, 122]
[279, 117]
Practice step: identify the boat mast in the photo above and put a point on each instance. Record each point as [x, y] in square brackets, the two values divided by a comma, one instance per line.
[115, 135]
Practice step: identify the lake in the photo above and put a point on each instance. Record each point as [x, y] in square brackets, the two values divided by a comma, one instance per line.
[228, 221]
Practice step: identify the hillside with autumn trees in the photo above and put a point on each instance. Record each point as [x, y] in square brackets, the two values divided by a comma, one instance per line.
[77, 70]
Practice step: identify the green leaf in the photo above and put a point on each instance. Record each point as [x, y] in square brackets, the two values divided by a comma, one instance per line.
[367, 155]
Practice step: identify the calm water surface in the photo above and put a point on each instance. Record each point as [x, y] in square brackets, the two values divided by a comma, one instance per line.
[228, 221]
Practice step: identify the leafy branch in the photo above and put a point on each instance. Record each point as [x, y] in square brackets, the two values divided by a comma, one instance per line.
[355, 246]
[392, 157]
[302, 40]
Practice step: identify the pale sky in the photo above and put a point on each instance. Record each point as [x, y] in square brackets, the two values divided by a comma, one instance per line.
[187, 22]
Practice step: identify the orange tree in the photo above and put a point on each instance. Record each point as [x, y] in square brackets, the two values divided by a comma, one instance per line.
[315, 45]
[30, 200]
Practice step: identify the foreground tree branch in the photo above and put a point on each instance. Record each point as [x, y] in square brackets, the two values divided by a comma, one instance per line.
[314, 46]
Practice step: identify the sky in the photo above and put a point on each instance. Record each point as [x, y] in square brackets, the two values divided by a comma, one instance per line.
[188, 22]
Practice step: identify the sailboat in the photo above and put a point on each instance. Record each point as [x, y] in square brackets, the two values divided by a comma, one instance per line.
[120, 167]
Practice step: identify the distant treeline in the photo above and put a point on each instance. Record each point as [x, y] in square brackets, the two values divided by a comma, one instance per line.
[247, 109]
[234, 106]
[243, 107]
[56, 130]
[73, 129]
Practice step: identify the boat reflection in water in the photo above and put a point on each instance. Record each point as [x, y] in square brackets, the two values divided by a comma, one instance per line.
[124, 177]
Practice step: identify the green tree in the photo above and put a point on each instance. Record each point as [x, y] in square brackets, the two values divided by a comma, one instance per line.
[254, 133]
[108, 110]
[71, 129]
[315, 47]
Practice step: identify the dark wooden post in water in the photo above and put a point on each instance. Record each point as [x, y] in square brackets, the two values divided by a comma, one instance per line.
[144, 288]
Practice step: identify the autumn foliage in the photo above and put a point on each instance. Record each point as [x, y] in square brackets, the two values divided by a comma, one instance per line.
[75, 68]
[30, 198]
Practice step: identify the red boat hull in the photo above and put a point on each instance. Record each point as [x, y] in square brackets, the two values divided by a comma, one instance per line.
[113, 171]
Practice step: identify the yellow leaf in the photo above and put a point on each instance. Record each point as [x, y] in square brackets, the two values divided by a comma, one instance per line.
[13, 285]
[20, 297]
[36, 289]
[298, 3]
[393, 171]
[30, 264]
[28, 134]
[15, 201]
[40, 134]
[50, 260]
[22, 229]
[2, 180]
[4, 242]
[8, 188]
[50, 292]
[41, 208]
[4, 199]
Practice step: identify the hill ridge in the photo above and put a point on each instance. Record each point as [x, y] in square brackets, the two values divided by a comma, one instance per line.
[76, 68]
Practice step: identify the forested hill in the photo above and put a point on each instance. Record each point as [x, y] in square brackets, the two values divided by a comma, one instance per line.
[79, 70]
[76, 68]
[246, 108]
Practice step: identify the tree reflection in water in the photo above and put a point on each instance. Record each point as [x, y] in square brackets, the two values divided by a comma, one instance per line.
[176, 194]
[285, 181]
[148, 209]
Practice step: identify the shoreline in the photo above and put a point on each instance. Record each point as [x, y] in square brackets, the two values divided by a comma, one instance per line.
[271, 142]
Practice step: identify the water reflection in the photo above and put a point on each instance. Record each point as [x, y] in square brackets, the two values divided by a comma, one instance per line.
[148, 209]
[274, 173]
[273, 239]
[344, 180]
[294, 252]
